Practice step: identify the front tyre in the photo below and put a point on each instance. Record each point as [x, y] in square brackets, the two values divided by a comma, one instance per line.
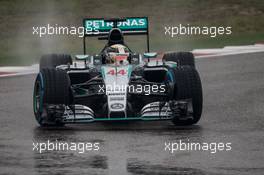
[188, 87]
[51, 89]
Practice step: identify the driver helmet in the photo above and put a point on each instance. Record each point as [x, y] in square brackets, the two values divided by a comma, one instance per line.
[117, 53]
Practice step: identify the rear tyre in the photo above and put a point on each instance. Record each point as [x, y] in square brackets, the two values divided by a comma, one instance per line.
[188, 86]
[52, 88]
[53, 60]
[182, 58]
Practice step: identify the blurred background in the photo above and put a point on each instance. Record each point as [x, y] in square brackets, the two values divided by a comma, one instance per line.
[18, 46]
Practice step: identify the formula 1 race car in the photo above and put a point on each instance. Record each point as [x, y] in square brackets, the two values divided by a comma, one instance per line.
[117, 84]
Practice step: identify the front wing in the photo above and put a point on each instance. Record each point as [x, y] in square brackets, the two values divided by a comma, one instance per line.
[150, 112]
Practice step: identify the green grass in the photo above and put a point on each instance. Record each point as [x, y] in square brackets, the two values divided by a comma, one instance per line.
[19, 47]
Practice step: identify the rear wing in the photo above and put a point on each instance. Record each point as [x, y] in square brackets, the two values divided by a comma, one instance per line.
[98, 27]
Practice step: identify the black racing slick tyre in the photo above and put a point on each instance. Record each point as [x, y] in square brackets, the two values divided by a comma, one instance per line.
[188, 86]
[57, 86]
[53, 60]
[182, 58]
[52, 88]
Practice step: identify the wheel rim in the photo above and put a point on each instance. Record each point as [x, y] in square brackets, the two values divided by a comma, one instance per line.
[38, 98]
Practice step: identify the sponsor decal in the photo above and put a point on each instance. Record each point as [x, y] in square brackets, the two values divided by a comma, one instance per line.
[115, 72]
[117, 106]
[130, 24]
[117, 98]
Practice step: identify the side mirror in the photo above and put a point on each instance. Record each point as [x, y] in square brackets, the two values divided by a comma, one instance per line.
[82, 57]
[150, 55]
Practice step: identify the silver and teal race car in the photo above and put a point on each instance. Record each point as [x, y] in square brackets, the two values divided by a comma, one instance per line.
[117, 84]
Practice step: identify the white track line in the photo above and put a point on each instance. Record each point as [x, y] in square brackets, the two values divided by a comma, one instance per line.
[18, 74]
[17, 70]
[228, 50]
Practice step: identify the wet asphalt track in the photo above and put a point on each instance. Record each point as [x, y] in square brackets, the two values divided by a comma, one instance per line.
[233, 112]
